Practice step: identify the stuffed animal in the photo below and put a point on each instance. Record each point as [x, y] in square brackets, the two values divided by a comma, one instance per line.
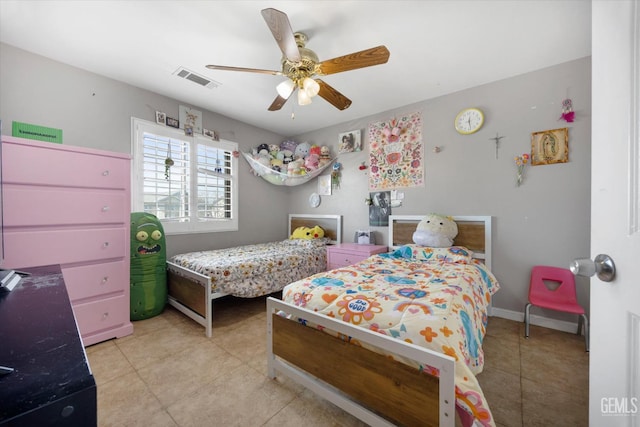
[302, 150]
[315, 149]
[288, 146]
[325, 156]
[263, 149]
[287, 156]
[277, 165]
[311, 162]
[437, 231]
[274, 150]
[295, 167]
[308, 233]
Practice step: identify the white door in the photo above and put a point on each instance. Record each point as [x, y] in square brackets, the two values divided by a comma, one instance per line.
[614, 372]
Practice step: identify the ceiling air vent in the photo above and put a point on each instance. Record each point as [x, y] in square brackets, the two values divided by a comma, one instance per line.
[196, 78]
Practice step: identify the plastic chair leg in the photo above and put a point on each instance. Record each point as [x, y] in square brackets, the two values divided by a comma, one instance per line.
[526, 319]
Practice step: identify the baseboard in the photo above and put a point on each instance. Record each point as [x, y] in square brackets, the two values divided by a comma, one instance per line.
[545, 322]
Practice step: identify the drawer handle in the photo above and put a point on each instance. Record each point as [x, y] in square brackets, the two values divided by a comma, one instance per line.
[105, 245]
[105, 208]
[105, 279]
[105, 173]
[105, 315]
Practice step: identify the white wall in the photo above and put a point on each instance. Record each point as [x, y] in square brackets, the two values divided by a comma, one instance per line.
[544, 221]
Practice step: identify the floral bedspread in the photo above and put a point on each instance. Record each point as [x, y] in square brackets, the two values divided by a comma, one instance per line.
[433, 297]
[260, 269]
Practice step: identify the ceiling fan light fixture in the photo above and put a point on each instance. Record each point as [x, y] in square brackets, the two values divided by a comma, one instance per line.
[285, 88]
[311, 87]
[303, 98]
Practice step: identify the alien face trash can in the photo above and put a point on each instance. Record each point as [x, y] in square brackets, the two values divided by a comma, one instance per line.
[148, 266]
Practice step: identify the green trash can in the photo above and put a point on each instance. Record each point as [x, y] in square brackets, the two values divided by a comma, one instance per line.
[148, 266]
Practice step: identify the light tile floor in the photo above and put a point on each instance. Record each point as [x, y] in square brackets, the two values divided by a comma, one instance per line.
[169, 374]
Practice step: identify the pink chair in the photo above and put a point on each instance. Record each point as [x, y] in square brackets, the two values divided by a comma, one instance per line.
[562, 298]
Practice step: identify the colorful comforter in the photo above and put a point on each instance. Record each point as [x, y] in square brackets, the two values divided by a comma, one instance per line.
[260, 269]
[433, 297]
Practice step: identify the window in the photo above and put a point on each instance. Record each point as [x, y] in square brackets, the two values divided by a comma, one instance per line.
[189, 182]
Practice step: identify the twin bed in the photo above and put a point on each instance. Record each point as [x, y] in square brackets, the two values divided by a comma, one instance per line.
[395, 339]
[195, 279]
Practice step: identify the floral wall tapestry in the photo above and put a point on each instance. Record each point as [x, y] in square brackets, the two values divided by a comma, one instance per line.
[396, 153]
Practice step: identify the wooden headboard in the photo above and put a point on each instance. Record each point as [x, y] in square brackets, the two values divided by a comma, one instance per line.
[474, 233]
[331, 224]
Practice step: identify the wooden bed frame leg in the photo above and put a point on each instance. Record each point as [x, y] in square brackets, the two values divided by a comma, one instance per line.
[271, 372]
[209, 310]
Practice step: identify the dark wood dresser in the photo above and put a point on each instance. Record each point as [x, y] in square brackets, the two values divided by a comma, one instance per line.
[52, 383]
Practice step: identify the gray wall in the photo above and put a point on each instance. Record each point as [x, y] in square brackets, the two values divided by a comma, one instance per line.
[544, 221]
[94, 111]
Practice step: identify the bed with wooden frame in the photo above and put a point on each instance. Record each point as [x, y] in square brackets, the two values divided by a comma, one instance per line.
[381, 380]
[193, 286]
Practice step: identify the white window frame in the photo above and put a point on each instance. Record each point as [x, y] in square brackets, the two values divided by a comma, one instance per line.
[194, 225]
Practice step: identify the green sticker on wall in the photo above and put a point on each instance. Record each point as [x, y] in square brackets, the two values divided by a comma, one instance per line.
[40, 133]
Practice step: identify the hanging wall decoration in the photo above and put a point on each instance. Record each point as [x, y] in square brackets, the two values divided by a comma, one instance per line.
[550, 146]
[568, 115]
[396, 153]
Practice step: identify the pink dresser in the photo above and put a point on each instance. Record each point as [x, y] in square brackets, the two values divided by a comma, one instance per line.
[71, 206]
[344, 254]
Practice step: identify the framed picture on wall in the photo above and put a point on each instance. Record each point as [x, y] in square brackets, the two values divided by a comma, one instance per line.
[550, 146]
[161, 118]
[348, 142]
[174, 123]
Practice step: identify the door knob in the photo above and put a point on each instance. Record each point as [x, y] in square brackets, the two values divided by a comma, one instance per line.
[602, 265]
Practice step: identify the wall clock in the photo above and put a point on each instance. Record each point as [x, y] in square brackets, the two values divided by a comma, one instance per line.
[469, 120]
[314, 200]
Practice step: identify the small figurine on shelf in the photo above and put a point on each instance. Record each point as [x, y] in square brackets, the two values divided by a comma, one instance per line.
[335, 174]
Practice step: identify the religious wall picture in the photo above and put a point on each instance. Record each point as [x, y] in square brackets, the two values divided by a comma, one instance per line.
[349, 142]
[379, 208]
[550, 146]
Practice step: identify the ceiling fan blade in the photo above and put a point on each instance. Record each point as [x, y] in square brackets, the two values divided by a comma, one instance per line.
[277, 103]
[364, 58]
[249, 70]
[280, 27]
[332, 96]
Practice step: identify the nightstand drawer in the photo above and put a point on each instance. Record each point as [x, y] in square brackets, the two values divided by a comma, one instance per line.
[345, 254]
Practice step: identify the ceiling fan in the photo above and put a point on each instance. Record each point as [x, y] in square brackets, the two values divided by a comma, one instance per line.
[301, 65]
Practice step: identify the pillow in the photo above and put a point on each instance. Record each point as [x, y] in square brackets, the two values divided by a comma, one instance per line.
[452, 254]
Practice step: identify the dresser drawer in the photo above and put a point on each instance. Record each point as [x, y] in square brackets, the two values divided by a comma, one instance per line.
[65, 246]
[93, 280]
[100, 315]
[55, 165]
[27, 206]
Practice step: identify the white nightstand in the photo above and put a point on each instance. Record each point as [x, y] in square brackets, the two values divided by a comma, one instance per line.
[345, 254]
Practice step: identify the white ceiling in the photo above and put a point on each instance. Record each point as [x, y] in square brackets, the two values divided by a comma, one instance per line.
[437, 47]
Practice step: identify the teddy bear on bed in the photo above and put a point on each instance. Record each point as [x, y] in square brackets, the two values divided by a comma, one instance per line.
[436, 231]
